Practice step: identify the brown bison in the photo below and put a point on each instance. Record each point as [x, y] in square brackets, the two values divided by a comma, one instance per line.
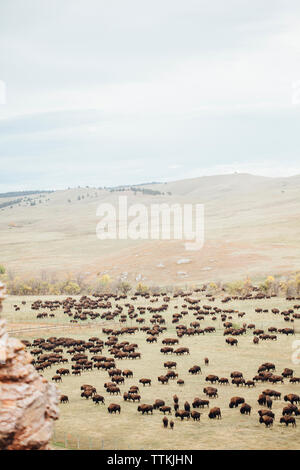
[232, 341]
[165, 409]
[215, 413]
[199, 403]
[182, 414]
[113, 408]
[98, 399]
[211, 392]
[288, 420]
[236, 401]
[195, 415]
[145, 408]
[245, 409]
[145, 381]
[212, 378]
[291, 397]
[158, 403]
[266, 420]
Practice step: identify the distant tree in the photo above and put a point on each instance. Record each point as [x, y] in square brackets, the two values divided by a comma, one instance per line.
[141, 288]
[124, 287]
[2, 269]
[105, 279]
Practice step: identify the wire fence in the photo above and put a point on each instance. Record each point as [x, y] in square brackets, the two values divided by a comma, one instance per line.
[69, 441]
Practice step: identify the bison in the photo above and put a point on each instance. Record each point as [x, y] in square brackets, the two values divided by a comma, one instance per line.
[113, 408]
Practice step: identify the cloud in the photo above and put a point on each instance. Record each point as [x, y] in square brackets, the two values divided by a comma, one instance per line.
[172, 86]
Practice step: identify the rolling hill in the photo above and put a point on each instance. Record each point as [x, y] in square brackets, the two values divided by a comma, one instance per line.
[252, 227]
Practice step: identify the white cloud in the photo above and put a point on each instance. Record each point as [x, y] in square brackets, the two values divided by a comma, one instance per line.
[170, 86]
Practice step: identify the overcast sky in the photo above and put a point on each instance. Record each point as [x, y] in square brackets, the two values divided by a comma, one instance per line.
[120, 92]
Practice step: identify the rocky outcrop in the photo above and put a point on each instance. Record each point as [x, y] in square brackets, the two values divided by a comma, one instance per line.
[28, 402]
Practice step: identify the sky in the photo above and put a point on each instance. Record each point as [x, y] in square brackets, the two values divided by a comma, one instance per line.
[104, 93]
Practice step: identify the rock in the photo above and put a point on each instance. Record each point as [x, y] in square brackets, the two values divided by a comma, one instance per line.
[183, 261]
[182, 273]
[28, 402]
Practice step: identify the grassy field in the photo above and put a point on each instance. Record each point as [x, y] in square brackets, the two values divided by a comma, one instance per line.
[85, 425]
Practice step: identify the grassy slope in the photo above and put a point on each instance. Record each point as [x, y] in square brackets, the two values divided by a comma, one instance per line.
[251, 228]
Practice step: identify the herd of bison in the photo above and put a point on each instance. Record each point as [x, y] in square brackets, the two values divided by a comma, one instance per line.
[74, 356]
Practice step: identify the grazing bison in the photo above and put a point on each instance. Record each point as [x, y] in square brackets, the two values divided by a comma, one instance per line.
[211, 392]
[266, 420]
[182, 414]
[291, 409]
[236, 401]
[238, 381]
[295, 380]
[180, 351]
[165, 422]
[236, 375]
[245, 409]
[113, 408]
[57, 378]
[187, 406]
[145, 408]
[163, 379]
[292, 398]
[223, 381]
[158, 403]
[127, 373]
[175, 398]
[199, 403]
[113, 390]
[232, 341]
[250, 383]
[64, 399]
[145, 381]
[170, 364]
[195, 370]
[165, 409]
[98, 399]
[195, 415]
[215, 413]
[212, 378]
[266, 413]
[288, 420]
[287, 372]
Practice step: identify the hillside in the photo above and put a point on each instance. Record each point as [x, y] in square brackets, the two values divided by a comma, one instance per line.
[252, 227]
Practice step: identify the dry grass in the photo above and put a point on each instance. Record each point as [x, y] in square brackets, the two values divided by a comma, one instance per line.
[251, 226]
[91, 424]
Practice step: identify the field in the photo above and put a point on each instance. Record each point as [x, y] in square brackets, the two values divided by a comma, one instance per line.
[83, 424]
